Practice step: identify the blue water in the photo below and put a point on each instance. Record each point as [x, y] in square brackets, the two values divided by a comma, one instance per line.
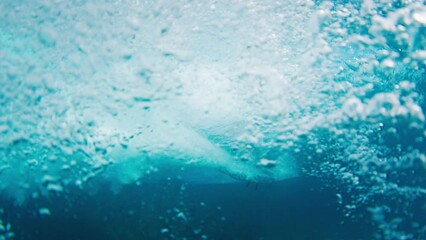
[128, 119]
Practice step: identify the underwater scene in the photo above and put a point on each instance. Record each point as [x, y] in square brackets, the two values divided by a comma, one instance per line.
[209, 119]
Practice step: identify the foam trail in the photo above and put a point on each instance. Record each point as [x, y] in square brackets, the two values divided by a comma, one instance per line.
[158, 140]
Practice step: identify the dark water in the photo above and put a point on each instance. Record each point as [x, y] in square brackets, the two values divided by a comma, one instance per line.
[292, 209]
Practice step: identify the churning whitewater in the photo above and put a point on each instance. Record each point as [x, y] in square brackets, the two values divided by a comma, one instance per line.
[120, 93]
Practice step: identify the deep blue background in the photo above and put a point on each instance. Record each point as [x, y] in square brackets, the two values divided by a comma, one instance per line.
[292, 209]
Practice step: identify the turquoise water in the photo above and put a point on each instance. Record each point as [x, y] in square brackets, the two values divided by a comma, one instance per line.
[255, 119]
